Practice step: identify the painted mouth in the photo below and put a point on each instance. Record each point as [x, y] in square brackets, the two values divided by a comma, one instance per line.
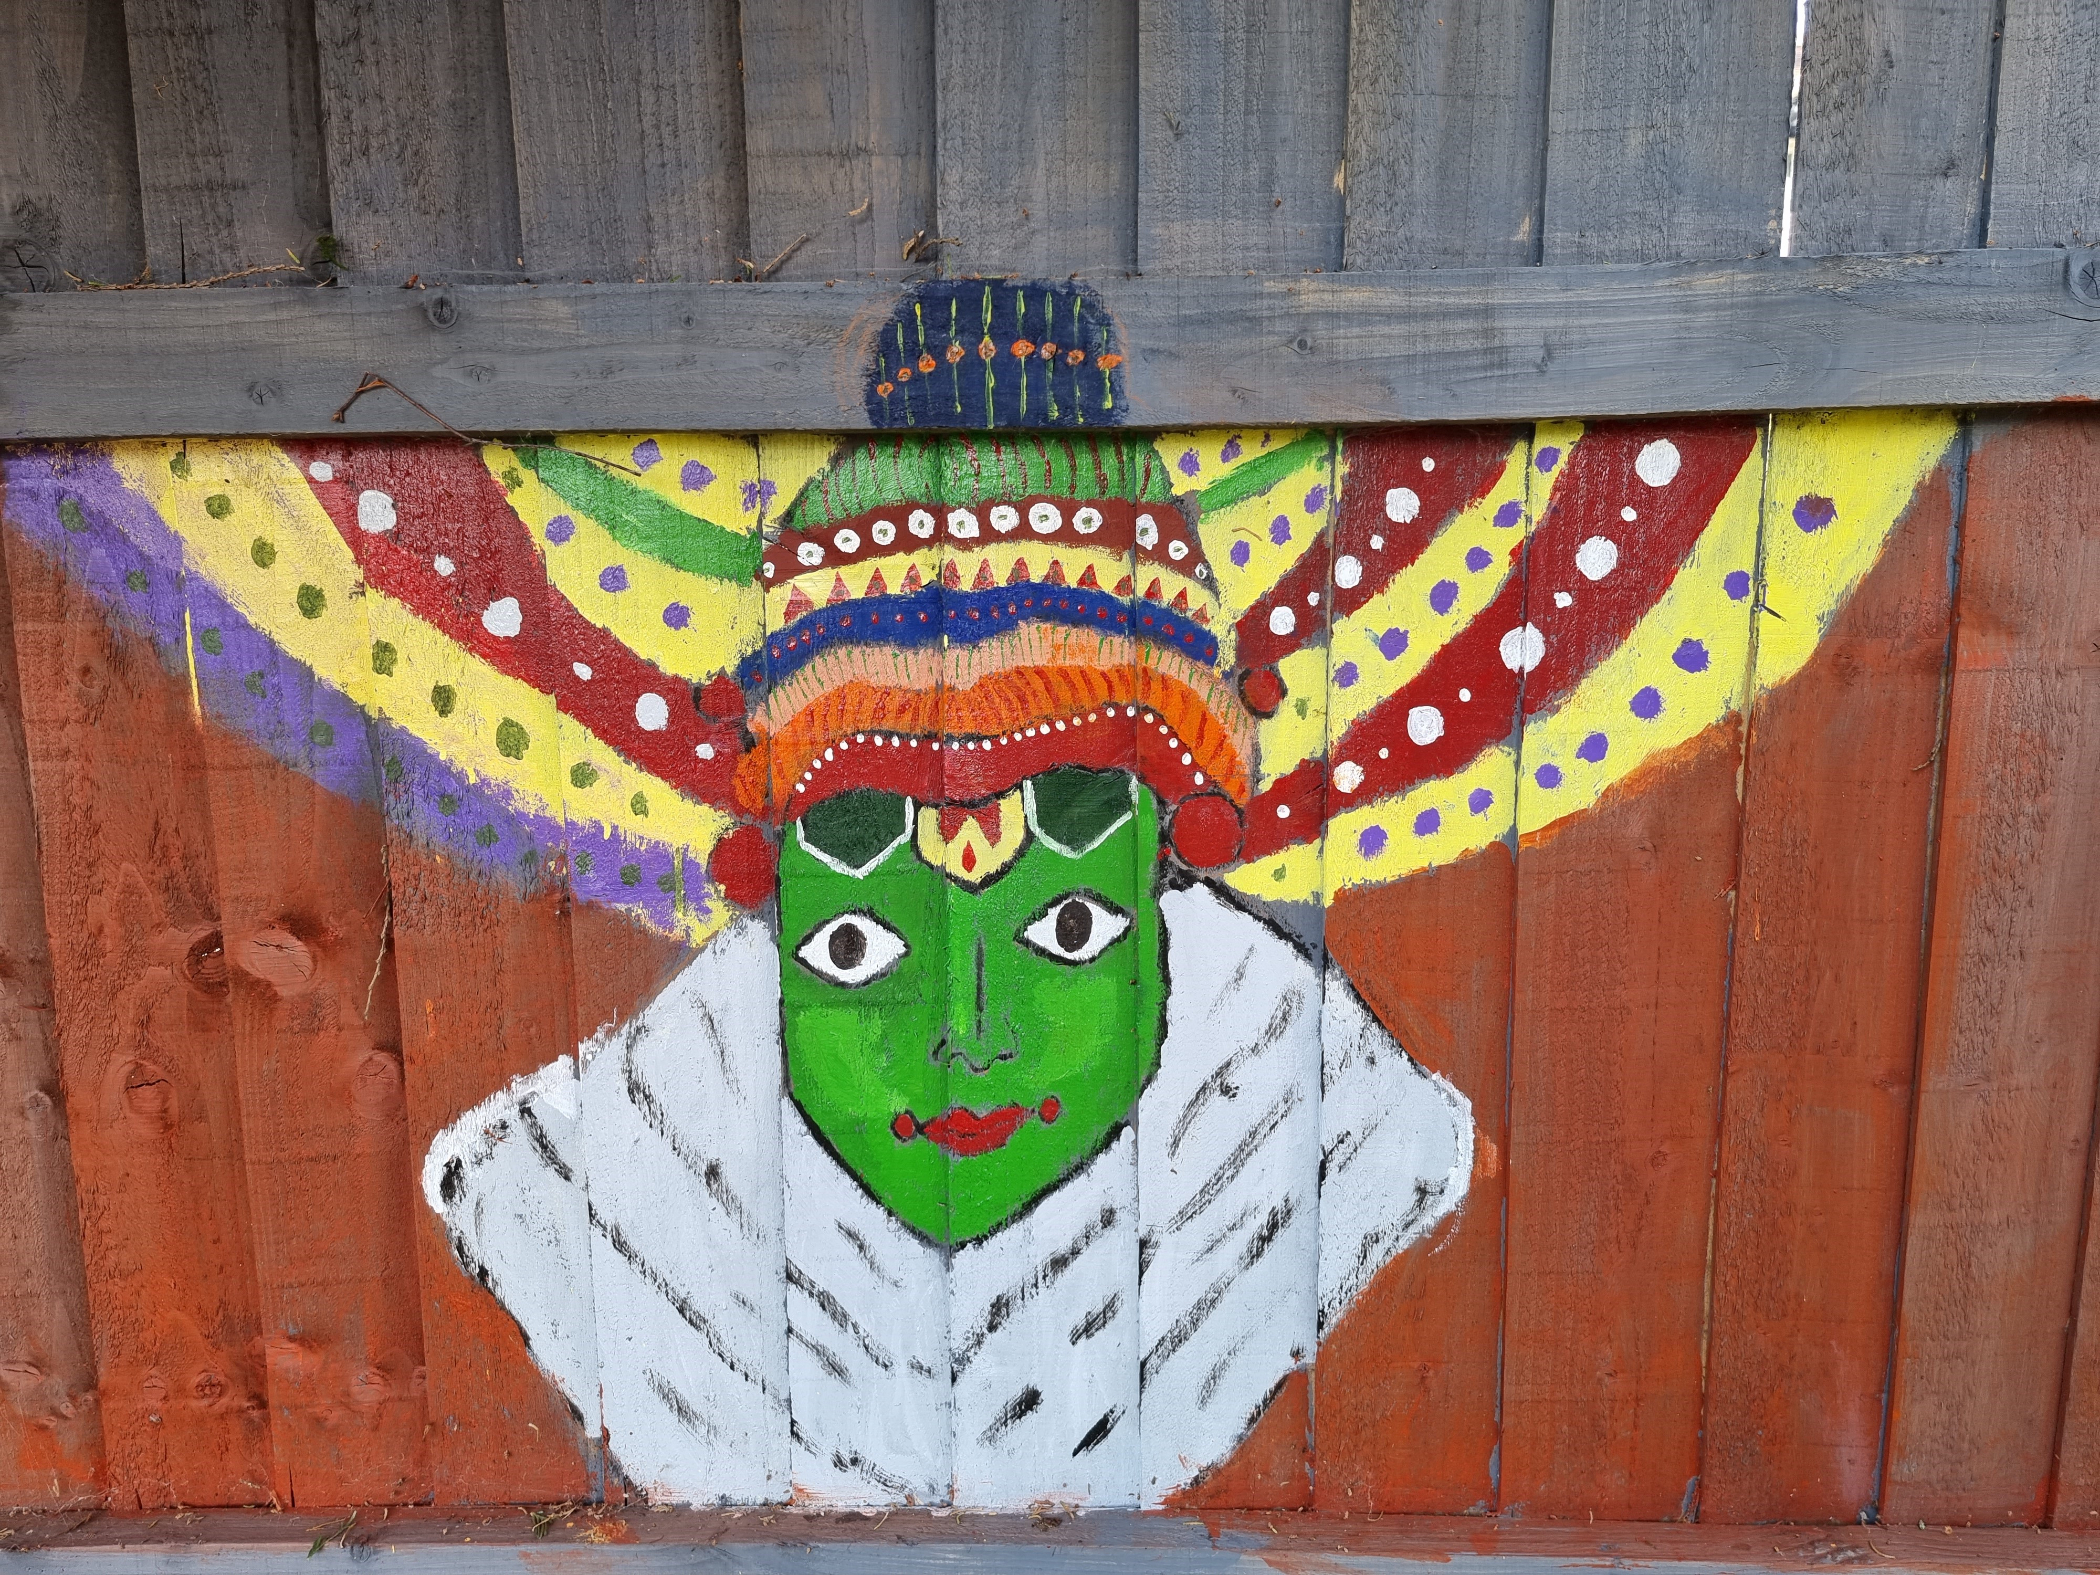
[964, 1132]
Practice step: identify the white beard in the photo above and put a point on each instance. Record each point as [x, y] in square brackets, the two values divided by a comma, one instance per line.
[699, 1275]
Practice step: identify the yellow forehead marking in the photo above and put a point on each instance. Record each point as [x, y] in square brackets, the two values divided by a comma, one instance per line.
[965, 854]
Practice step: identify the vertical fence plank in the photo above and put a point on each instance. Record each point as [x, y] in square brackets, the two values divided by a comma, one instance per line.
[629, 126]
[2045, 150]
[1823, 1006]
[50, 1425]
[1037, 136]
[1895, 111]
[1242, 106]
[1666, 130]
[130, 894]
[299, 848]
[2006, 1069]
[479, 914]
[1622, 936]
[227, 103]
[69, 184]
[1447, 133]
[838, 134]
[1406, 1410]
[416, 102]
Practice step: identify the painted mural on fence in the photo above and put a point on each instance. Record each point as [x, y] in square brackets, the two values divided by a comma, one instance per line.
[1006, 1135]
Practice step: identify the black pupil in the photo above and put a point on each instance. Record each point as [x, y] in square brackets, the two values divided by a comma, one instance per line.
[848, 946]
[1075, 922]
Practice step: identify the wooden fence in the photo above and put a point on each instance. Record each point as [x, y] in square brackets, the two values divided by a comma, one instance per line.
[1786, 1059]
[474, 141]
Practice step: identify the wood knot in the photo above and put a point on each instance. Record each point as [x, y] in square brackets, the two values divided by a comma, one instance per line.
[41, 1113]
[277, 957]
[375, 1085]
[204, 965]
[149, 1094]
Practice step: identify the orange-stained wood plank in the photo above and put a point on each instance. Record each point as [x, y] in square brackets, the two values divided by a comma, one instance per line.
[1406, 1384]
[50, 1428]
[1621, 959]
[131, 902]
[2012, 1004]
[317, 1041]
[1823, 1039]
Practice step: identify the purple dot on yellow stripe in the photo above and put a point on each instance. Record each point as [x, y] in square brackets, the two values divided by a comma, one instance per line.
[646, 453]
[1241, 552]
[1593, 749]
[1479, 799]
[1280, 529]
[1370, 842]
[1230, 452]
[1478, 558]
[612, 578]
[1737, 585]
[560, 529]
[693, 475]
[1189, 464]
[1691, 656]
[1647, 704]
[1547, 776]
[1427, 822]
[1548, 457]
[1392, 643]
[1316, 500]
[678, 615]
[1345, 675]
[1443, 596]
[1509, 514]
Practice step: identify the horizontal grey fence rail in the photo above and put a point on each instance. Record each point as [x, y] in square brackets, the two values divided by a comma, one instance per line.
[1967, 328]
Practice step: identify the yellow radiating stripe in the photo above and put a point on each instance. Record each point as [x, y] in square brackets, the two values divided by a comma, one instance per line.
[1404, 603]
[272, 502]
[723, 623]
[1300, 727]
[1867, 465]
[1431, 823]
[1290, 876]
[1194, 460]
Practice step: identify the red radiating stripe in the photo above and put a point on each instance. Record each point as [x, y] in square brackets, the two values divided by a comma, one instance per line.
[1600, 481]
[1465, 462]
[446, 504]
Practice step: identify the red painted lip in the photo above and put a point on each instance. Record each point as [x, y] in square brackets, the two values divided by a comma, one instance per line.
[964, 1132]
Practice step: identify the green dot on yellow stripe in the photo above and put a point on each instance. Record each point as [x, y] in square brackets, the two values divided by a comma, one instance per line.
[263, 551]
[180, 466]
[218, 505]
[583, 774]
[511, 740]
[443, 697]
[639, 804]
[313, 601]
[384, 656]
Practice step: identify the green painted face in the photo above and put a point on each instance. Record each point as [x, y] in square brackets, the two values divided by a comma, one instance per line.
[971, 1006]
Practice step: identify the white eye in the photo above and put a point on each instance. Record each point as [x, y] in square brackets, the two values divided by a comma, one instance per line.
[1075, 928]
[853, 949]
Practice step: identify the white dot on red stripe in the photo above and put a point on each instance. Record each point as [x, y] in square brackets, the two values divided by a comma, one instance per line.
[1282, 620]
[1348, 572]
[375, 512]
[581, 670]
[652, 714]
[1402, 504]
[1523, 648]
[443, 565]
[1425, 724]
[1658, 463]
[321, 470]
[1597, 557]
[503, 618]
[1348, 776]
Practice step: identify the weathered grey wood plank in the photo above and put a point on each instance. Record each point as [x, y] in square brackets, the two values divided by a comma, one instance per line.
[1895, 112]
[2045, 175]
[1242, 106]
[226, 98]
[838, 134]
[629, 127]
[1967, 328]
[1666, 129]
[1036, 132]
[69, 190]
[1447, 132]
[416, 102]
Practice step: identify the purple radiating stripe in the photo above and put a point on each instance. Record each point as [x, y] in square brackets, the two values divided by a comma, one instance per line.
[126, 542]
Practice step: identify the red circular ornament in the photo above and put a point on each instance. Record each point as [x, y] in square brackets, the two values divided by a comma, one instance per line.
[743, 867]
[1207, 831]
[905, 1126]
[1263, 690]
[1052, 1109]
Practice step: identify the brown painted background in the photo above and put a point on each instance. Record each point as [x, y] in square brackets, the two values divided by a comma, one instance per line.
[1784, 1061]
